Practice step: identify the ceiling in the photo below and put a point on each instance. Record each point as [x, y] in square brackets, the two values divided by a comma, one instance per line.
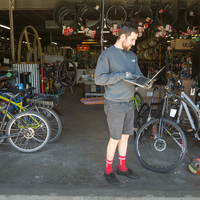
[36, 13]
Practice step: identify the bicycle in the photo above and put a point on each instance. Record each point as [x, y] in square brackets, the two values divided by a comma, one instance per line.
[26, 131]
[160, 144]
[180, 109]
[190, 123]
[17, 105]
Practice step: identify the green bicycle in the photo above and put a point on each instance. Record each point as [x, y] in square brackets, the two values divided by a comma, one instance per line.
[137, 102]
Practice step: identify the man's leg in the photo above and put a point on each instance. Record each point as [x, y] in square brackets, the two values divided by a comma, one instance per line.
[111, 148]
[122, 149]
[123, 145]
[109, 175]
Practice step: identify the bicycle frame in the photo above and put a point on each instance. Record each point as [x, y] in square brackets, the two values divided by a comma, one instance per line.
[135, 103]
[188, 99]
[15, 103]
[9, 115]
[183, 104]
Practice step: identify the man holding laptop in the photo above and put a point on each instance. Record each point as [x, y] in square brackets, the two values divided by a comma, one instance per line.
[115, 65]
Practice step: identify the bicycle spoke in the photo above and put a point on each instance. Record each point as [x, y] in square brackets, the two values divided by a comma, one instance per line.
[28, 131]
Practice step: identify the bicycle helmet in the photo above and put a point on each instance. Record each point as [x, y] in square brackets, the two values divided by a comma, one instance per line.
[194, 166]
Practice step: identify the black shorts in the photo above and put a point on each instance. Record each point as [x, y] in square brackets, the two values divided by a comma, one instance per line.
[120, 117]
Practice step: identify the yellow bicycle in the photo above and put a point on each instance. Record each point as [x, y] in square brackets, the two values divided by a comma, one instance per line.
[26, 131]
[17, 106]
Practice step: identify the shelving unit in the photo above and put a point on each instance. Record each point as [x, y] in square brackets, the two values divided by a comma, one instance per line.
[174, 62]
[91, 89]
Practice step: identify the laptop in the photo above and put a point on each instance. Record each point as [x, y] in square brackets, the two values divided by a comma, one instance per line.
[142, 81]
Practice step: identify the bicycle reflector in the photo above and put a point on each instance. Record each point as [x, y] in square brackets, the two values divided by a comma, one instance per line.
[194, 166]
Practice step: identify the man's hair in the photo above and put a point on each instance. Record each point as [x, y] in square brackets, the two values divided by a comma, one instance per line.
[127, 28]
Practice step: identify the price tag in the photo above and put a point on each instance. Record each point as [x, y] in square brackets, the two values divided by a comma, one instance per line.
[172, 112]
[192, 91]
[149, 94]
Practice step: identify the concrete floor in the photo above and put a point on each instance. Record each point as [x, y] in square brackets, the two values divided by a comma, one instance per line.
[73, 166]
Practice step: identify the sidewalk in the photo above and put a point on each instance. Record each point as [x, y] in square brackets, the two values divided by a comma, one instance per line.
[72, 167]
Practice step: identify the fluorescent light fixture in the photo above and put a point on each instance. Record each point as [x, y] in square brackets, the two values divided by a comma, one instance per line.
[6, 27]
[66, 47]
[105, 41]
[90, 42]
[106, 31]
[55, 43]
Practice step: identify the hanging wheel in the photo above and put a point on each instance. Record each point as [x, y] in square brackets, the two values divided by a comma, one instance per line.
[67, 73]
[30, 36]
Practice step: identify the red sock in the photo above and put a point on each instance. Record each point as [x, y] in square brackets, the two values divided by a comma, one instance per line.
[109, 166]
[122, 163]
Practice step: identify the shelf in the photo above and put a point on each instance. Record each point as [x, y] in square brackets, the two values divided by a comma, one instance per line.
[6, 78]
[5, 68]
[181, 50]
[88, 94]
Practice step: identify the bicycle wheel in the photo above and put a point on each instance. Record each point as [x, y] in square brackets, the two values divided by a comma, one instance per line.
[67, 73]
[54, 120]
[160, 153]
[181, 117]
[143, 114]
[28, 131]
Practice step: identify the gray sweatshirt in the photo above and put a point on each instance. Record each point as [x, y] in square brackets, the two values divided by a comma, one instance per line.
[111, 67]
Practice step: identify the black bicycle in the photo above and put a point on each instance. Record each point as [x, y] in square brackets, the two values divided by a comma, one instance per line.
[160, 144]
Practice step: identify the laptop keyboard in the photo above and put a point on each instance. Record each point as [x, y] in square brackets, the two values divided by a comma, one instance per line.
[140, 80]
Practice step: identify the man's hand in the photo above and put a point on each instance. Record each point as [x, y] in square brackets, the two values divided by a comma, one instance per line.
[128, 75]
[149, 85]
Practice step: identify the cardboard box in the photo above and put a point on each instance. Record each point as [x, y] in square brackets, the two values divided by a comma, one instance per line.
[182, 43]
[147, 94]
[187, 83]
[93, 88]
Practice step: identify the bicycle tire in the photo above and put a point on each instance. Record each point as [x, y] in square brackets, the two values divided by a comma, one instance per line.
[24, 135]
[174, 103]
[116, 11]
[160, 155]
[67, 73]
[89, 11]
[54, 120]
[143, 114]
